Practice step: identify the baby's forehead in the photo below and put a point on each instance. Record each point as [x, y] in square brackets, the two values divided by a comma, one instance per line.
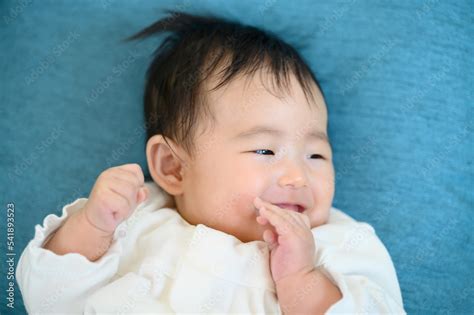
[250, 105]
[253, 101]
[247, 99]
[247, 92]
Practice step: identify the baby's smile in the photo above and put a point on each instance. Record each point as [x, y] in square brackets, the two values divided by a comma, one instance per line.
[264, 145]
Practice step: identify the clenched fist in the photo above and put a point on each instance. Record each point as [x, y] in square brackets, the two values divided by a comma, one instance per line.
[115, 195]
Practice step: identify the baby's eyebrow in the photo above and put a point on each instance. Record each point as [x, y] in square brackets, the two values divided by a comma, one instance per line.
[265, 130]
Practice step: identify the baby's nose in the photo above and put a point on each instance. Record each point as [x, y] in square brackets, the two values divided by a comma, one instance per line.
[293, 177]
[293, 182]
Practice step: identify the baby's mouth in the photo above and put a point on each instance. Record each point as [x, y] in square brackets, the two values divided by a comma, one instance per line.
[289, 206]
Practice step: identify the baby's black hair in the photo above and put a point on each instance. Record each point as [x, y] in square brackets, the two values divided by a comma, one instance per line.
[196, 47]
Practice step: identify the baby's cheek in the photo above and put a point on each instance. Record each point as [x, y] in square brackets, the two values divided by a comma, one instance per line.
[323, 194]
[325, 183]
[326, 192]
[246, 188]
[245, 206]
[232, 208]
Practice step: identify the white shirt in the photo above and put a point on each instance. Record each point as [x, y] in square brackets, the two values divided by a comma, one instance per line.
[159, 263]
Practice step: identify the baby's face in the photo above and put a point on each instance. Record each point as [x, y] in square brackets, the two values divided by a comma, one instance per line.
[261, 145]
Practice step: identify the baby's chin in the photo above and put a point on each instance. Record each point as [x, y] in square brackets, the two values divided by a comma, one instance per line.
[255, 234]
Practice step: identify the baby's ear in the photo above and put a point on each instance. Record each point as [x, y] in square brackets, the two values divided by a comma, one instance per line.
[165, 167]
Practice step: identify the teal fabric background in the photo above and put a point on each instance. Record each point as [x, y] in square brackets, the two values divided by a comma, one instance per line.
[398, 79]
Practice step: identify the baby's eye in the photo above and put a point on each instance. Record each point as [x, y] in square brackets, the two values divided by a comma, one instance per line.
[263, 150]
[317, 156]
[269, 152]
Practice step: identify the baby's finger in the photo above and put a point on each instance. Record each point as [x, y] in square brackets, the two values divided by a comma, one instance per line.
[136, 170]
[300, 222]
[282, 225]
[142, 194]
[270, 238]
[127, 177]
[298, 218]
[262, 220]
[287, 214]
[125, 190]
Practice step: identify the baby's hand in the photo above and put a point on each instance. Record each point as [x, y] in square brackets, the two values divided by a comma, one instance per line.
[116, 193]
[292, 247]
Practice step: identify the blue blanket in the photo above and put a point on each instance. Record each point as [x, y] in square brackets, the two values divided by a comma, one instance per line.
[398, 80]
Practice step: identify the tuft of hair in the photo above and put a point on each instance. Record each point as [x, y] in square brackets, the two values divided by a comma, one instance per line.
[193, 50]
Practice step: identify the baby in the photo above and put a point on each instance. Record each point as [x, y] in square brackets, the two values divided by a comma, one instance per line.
[238, 217]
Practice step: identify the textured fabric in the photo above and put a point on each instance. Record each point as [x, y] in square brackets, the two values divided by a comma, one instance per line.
[159, 263]
[398, 82]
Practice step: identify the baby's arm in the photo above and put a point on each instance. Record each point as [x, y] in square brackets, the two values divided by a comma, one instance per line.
[57, 276]
[308, 292]
[351, 272]
[355, 259]
[360, 268]
[77, 235]
[301, 288]
[89, 231]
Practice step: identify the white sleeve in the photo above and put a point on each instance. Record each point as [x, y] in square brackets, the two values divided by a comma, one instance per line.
[51, 283]
[354, 259]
